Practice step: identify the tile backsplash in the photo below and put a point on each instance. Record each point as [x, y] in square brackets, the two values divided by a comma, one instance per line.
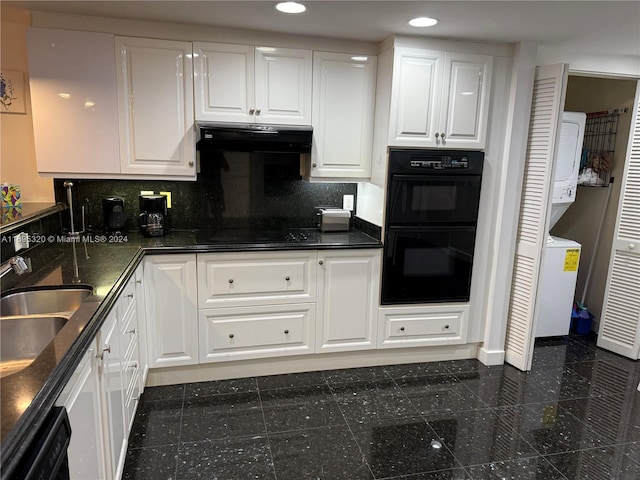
[237, 198]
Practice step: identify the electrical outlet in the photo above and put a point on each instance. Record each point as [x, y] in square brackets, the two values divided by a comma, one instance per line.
[168, 195]
[347, 202]
[21, 241]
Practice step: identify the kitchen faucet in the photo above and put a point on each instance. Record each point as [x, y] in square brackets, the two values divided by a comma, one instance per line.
[17, 264]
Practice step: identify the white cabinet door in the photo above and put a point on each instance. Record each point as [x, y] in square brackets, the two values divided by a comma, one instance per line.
[82, 399]
[242, 83]
[142, 326]
[283, 86]
[111, 381]
[224, 82]
[348, 299]
[72, 77]
[343, 104]
[171, 309]
[439, 99]
[464, 113]
[155, 104]
[415, 97]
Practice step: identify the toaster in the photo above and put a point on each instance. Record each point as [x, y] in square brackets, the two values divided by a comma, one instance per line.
[334, 219]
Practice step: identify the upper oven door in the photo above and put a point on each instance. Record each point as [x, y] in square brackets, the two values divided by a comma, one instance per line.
[433, 199]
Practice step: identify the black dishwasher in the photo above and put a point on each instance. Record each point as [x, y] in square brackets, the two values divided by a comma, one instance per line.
[46, 458]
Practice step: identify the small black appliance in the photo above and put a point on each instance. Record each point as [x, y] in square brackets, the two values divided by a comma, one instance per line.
[113, 218]
[154, 218]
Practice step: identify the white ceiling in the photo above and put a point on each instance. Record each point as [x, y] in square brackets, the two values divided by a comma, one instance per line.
[594, 27]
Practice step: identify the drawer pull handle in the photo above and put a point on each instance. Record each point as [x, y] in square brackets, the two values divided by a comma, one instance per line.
[107, 349]
[133, 366]
[287, 278]
[231, 280]
[321, 262]
[446, 327]
[132, 331]
[402, 329]
[286, 332]
[138, 282]
[231, 335]
[130, 295]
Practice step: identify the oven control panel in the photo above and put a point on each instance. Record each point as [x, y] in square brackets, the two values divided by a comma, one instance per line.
[444, 162]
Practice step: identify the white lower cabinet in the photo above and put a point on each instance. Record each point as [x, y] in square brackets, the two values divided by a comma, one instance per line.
[82, 399]
[102, 396]
[253, 332]
[268, 304]
[348, 299]
[171, 309]
[437, 324]
[111, 381]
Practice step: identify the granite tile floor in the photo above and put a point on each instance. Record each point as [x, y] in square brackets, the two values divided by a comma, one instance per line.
[575, 415]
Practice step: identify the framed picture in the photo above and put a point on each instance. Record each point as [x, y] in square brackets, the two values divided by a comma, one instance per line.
[12, 94]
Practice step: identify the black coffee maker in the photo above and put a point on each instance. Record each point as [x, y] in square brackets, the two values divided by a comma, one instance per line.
[154, 218]
[113, 219]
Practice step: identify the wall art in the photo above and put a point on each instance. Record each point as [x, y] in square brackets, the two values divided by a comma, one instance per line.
[12, 92]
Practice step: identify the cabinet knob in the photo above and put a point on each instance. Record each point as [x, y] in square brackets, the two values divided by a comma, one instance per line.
[632, 246]
[287, 278]
[286, 332]
[258, 111]
[402, 329]
[446, 327]
[231, 280]
[442, 135]
[231, 335]
[132, 331]
[139, 282]
[437, 135]
[252, 111]
[321, 262]
[191, 164]
[130, 295]
[314, 165]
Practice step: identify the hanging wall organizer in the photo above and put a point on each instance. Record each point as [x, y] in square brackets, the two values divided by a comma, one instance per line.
[598, 147]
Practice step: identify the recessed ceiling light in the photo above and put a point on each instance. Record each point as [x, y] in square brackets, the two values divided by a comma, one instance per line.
[423, 22]
[290, 7]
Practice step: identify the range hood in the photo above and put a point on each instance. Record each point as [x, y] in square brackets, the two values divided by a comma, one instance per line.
[251, 137]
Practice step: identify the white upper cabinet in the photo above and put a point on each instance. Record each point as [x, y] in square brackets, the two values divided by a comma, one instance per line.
[240, 83]
[343, 106]
[439, 99]
[155, 104]
[72, 77]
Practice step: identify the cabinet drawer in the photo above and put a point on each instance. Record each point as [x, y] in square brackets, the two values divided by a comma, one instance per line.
[418, 326]
[126, 303]
[256, 278]
[247, 332]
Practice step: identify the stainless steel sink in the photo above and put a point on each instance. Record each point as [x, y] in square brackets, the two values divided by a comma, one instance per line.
[40, 300]
[22, 339]
[31, 318]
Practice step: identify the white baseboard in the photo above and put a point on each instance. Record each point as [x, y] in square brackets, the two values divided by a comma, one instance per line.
[307, 363]
[491, 357]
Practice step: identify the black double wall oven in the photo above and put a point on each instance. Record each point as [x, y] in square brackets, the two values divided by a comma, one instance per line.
[430, 225]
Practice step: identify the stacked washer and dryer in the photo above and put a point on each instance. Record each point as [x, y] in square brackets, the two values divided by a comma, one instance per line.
[560, 256]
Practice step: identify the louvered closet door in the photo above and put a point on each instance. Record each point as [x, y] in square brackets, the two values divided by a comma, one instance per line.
[620, 323]
[546, 114]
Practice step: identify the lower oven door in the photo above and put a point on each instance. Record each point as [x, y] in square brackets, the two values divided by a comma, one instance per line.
[427, 264]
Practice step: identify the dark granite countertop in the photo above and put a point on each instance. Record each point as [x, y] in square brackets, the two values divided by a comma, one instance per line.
[106, 263]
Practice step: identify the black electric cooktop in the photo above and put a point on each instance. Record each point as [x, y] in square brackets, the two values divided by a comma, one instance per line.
[256, 236]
